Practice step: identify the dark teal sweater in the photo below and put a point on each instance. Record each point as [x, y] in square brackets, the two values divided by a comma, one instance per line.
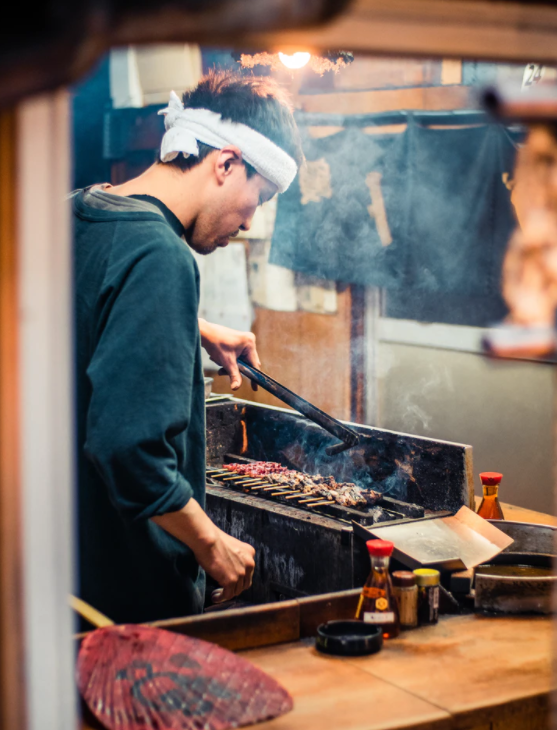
[140, 406]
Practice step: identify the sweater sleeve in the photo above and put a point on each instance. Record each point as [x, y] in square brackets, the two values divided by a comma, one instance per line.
[142, 373]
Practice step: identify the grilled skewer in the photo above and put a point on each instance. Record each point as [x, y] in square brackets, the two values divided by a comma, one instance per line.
[313, 487]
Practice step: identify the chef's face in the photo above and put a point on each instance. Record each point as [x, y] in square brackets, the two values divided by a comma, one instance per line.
[229, 203]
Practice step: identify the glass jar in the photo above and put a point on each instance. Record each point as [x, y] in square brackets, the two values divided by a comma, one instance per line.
[428, 580]
[405, 591]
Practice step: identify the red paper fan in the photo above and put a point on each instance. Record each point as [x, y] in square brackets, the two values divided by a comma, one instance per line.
[138, 678]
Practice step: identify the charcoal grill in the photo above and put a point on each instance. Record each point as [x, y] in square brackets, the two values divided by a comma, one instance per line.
[308, 547]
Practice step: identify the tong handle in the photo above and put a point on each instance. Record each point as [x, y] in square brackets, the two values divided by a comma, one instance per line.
[348, 436]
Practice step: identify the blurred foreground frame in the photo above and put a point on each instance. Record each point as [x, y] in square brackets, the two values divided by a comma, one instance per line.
[529, 282]
[57, 43]
[60, 41]
[64, 39]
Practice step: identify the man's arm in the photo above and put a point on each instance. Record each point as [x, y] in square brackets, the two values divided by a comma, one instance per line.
[225, 346]
[141, 376]
[227, 560]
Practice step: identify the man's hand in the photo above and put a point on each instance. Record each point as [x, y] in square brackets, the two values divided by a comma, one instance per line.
[225, 346]
[231, 563]
[228, 560]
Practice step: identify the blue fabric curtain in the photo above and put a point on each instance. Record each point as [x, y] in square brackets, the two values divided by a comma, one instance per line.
[424, 210]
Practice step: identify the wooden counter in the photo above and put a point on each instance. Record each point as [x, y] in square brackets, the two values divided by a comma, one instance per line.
[521, 514]
[467, 673]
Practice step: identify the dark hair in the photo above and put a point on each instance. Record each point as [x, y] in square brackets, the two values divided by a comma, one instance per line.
[256, 101]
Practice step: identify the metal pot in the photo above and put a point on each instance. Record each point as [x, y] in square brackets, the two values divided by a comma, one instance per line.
[534, 545]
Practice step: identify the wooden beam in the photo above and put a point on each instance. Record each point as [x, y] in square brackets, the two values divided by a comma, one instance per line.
[474, 29]
[12, 677]
[435, 98]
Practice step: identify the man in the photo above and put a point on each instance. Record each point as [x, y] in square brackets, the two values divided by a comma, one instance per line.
[144, 538]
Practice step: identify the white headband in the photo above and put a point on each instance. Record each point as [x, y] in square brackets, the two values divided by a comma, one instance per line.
[185, 127]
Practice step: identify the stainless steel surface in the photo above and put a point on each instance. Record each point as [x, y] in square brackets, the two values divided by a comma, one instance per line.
[208, 386]
[528, 537]
[455, 542]
[514, 594]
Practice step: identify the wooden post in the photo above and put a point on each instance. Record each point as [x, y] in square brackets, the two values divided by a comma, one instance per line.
[12, 677]
[45, 407]
[357, 354]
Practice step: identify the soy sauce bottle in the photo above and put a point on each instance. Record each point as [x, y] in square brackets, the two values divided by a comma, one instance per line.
[377, 603]
[490, 509]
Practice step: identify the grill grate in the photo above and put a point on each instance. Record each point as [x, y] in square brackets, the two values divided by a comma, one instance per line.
[386, 510]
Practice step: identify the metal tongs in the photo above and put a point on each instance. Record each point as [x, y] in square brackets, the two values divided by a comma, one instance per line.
[348, 436]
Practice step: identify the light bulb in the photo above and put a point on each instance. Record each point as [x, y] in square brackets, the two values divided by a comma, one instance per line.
[296, 60]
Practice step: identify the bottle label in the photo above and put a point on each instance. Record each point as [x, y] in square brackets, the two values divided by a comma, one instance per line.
[435, 598]
[383, 617]
[373, 593]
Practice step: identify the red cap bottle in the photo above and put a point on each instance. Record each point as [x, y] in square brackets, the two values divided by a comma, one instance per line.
[377, 603]
[380, 548]
[490, 508]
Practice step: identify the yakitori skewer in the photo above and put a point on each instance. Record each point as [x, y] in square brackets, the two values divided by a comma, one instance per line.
[316, 504]
[312, 499]
[252, 480]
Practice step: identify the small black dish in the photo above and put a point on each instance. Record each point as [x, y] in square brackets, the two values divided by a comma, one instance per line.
[349, 638]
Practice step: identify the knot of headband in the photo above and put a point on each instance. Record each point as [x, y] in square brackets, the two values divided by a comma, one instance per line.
[186, 127]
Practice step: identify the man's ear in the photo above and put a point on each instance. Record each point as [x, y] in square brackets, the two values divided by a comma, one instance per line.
[228, 160]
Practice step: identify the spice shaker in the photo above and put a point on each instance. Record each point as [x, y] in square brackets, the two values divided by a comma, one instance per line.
[405, 591]
[428, 595]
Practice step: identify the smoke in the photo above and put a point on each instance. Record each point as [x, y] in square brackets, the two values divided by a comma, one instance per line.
[414, 402]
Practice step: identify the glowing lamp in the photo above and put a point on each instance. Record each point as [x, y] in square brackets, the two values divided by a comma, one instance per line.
[296, 60]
